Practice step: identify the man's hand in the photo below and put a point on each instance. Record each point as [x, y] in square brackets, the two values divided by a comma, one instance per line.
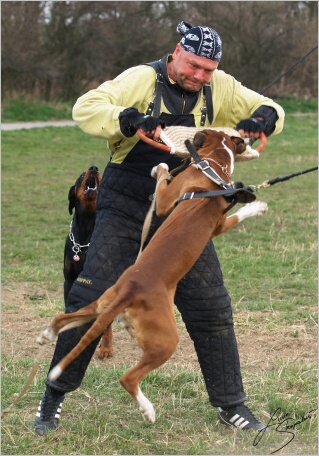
[131, 120]
[251, 128]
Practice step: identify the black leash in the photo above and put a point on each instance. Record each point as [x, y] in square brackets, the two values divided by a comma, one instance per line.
[289, 69]
[283, 178]
[236, 192]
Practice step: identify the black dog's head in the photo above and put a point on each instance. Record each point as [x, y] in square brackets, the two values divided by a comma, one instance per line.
[84, 192]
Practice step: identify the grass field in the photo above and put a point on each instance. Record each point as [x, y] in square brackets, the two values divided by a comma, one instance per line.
[270, 269]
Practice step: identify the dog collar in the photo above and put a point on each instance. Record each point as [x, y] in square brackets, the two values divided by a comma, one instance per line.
[203, 165]
[76, 248]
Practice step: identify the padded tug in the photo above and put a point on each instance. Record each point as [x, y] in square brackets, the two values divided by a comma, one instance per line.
[82, 198]
[143, 297]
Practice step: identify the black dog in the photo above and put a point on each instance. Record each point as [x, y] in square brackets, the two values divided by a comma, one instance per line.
[82, 198]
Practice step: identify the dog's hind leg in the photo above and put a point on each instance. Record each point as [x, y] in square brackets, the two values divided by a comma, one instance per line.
[130, 381]
[106, 348]
[154, 356]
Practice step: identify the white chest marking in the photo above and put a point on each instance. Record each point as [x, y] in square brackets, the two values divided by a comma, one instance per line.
[231, 155]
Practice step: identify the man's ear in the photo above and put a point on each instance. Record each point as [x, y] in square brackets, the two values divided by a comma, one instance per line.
[71, 199]
[199, 140]
[239, 143]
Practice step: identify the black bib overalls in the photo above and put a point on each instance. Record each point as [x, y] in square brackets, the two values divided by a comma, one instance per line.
[201, 297]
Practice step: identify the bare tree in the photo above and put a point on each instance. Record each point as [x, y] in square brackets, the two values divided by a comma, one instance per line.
[60, 49]
[263, 39]
[20, 29]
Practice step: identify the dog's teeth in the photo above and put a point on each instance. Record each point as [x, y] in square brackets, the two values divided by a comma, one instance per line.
[89, 188]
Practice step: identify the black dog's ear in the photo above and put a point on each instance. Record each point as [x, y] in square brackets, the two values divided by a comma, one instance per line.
[239, 143]
[71, 199]
[199, 140]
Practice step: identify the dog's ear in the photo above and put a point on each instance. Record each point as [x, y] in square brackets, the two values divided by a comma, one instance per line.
[71, 199]
[239, 143]
[199, 139]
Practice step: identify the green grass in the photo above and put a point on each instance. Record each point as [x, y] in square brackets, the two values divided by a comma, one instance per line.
[270, 270]
[22, 109]
[186, 424]
[293, 105]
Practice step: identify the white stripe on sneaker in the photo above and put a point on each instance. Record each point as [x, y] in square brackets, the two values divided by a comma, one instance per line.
[234, 418]
[58, 412]
[39, 410]
[238, 422]
[243, 424]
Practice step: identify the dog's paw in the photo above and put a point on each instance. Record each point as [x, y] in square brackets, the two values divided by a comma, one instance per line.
[155, 169]
[55, 373]
[254, 209]
[105, 353]
[46, 336]
[259, 208]
[146, 407]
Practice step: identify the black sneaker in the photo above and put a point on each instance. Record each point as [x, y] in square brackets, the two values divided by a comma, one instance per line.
[239, 416]
[49, 410]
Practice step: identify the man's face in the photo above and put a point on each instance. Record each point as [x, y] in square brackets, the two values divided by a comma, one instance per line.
[190, 71]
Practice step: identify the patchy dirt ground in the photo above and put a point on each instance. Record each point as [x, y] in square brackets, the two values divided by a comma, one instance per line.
[21, 325]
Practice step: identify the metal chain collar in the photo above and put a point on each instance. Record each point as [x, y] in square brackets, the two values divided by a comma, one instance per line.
[76, 248]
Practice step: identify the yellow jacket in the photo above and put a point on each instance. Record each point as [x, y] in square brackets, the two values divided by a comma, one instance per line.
[97, 111]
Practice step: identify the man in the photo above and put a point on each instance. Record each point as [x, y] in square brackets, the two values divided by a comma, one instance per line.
[185, 88]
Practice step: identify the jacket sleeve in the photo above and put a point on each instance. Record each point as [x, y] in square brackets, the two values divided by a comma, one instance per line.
[97, 111]
[234, 102]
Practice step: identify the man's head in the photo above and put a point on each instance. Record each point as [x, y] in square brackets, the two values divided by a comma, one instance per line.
[195, 58]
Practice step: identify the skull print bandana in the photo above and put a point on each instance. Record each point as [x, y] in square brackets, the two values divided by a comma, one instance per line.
[202, 41]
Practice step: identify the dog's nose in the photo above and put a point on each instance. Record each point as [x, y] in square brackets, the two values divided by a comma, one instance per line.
[94, 169]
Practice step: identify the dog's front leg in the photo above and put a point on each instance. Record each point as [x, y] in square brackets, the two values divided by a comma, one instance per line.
[165, 197]
[253, 209]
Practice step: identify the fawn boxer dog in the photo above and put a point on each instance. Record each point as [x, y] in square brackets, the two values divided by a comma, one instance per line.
[143, 297]
[82, 199]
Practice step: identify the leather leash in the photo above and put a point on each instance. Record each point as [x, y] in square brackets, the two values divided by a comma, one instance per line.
[25, 388]
[148, 218]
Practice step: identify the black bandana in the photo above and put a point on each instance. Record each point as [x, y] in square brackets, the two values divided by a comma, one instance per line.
[202, 41]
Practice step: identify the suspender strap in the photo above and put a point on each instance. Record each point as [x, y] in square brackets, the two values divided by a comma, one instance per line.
[158, 94]
[154, 106]
[209, 102]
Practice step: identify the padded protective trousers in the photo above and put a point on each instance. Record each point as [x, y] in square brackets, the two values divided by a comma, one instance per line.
[201, 297]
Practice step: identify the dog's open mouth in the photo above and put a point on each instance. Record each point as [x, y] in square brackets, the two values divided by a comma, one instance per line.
[91, 185]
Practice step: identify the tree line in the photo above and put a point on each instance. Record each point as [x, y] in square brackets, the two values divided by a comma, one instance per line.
[60, 49]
